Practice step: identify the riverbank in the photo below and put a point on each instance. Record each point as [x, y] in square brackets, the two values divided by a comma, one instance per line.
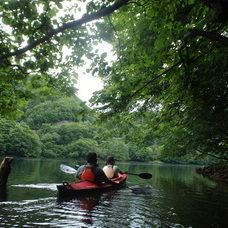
[217, 172]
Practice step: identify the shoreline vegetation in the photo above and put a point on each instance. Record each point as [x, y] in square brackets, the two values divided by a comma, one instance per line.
[216, 172]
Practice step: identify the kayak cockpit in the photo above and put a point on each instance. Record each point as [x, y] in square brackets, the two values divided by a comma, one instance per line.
[86, 187]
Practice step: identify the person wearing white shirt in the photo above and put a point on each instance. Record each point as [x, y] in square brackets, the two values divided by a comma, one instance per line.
[110, 169]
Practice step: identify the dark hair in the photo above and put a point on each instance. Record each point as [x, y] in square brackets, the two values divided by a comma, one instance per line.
[110, 159]
[91, 158]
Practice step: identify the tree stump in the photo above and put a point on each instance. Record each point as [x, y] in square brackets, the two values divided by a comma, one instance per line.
[5, 169]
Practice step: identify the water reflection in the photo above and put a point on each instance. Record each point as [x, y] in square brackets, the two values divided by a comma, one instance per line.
[144, 191]
[82, 206]
[193, 202]
[86, 206]
[180, 198]
[3, 193]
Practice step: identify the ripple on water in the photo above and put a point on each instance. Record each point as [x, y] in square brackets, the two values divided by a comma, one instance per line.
[50, 186]
[120, 208]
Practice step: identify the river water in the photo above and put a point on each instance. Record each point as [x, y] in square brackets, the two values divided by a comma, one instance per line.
[175, 197]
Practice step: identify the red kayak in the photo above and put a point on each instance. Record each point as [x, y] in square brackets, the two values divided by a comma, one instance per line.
[86, 187]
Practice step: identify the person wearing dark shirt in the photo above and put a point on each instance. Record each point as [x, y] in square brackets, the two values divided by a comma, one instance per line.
[92, 172]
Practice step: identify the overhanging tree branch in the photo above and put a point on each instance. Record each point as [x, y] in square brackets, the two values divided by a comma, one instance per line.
[210, 35]
[126, 99]
[214, 156]
[85, 19]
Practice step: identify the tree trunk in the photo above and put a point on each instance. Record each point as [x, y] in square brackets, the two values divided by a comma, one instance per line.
[219, 9]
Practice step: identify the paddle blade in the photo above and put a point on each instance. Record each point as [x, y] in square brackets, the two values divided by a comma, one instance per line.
[141, 191]
[145, 175]
[67, 169]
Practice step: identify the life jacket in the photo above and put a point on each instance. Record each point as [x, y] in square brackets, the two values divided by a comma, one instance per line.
[109, 172]
[88, 175]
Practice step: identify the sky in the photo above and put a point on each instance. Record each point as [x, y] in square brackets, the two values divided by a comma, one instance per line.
[87, 84]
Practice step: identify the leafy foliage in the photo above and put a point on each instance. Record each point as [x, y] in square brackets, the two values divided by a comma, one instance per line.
[171, 61]
[41, 43]
[167, 89]
[64, 139]
[18, 139]
[118, 148]
[54, 110]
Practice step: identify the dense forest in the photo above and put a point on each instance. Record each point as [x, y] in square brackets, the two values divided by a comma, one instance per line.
[58, 127]
[165, 93]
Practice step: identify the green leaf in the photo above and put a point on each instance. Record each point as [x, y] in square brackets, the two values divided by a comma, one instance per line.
[52, 12]
[60, 6]
[6, 20]
[104, 55]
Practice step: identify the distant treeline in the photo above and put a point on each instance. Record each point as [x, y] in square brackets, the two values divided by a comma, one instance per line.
[66, 128]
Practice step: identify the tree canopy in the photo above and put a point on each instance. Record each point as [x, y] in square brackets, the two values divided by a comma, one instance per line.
[41, 43]
[168, 85]
[55, 110]
[171, 61]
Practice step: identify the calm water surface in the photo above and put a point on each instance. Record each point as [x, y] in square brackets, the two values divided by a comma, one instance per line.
[179, 198]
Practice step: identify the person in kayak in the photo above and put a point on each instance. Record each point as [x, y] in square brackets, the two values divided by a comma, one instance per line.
[91, 171]
[110, 169]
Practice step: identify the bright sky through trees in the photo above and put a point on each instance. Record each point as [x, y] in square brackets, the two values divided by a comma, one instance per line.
[87, 84]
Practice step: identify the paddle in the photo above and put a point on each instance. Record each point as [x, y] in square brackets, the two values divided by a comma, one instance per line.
[142, 175]
[144, 191]
[68, 169]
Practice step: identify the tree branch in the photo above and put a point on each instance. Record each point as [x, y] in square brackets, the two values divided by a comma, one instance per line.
[154, 79]
[210, 35]
[212, 155]
[217, 157]
[85, 19]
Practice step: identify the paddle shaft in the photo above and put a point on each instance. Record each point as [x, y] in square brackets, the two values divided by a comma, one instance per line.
[142, 175]
[70, 170]
[132, 174]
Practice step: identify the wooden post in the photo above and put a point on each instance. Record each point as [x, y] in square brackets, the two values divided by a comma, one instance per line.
[5, 169]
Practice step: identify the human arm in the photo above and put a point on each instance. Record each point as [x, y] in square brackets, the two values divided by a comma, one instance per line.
[117, 170]
[79, 172]
[101, 177]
